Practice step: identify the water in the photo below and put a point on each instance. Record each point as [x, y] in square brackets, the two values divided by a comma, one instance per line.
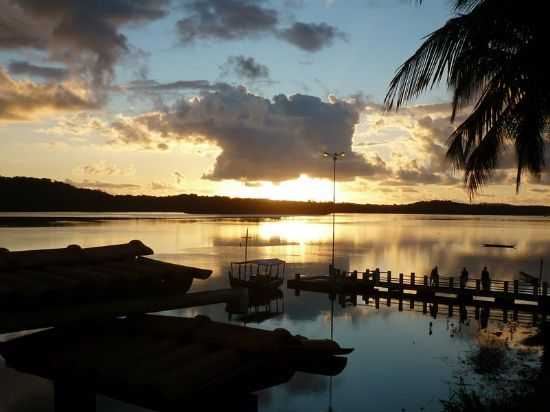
[397, 364]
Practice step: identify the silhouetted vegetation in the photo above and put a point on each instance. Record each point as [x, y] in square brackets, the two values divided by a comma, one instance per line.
[491, 55]
[43, 195]
[526, 391]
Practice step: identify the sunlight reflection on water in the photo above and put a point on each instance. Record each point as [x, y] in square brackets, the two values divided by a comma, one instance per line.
[397, 363]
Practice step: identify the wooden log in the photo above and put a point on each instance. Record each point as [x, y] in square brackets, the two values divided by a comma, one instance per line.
[73, 255]
[153, 265]
[14, 321]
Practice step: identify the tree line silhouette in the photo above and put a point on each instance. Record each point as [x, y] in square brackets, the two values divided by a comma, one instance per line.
[26, 194]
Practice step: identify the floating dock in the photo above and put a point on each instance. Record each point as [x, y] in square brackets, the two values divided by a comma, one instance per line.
[43, 288]
[168, 363]
[101, 339]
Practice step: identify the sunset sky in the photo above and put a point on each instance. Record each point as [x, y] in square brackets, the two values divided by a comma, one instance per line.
[228, 97]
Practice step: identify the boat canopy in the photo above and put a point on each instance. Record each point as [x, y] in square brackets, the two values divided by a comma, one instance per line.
[261, 262]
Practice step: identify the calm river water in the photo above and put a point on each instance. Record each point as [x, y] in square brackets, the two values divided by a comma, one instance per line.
[397, 363]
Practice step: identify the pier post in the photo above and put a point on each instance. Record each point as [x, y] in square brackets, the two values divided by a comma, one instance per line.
[451, 283]
[544, 288]
[413, 278]
[424, 307]
[389, 276]
[516, 287]
[451, 310]
[354, 275]
[366, 275]
[377, 302]
[400, 307]
[505, 315]
[425, 280]
[536, 289]
[478, 285]
[297, 278]
[411, 304]
[505, 286]
[401, 280]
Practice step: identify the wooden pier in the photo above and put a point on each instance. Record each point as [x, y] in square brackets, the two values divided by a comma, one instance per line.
[515, 294]
[168, 363]
[52, 287]
[96, 303]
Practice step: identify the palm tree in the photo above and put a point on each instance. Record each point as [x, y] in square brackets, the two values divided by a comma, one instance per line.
[491, 55]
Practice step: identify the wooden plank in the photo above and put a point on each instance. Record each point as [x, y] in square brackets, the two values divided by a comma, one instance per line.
[14, 321]
[72, 255]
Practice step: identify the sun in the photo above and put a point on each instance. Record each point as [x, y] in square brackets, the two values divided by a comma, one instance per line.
[304, 188]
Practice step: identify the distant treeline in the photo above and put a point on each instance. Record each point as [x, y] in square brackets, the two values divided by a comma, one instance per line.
[25, 194]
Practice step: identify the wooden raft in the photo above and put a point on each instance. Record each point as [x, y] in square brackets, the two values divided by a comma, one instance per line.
[41, 288]
[167, 363]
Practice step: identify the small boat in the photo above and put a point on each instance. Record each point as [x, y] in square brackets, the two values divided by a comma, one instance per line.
[498, 245]
[259, 273]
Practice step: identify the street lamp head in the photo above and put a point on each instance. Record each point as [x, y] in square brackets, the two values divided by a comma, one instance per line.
[341, 154]
[326, 154]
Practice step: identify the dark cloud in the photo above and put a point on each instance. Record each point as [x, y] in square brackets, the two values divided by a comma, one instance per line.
[81, 33]
[225, 20]
[237, 19]
[154, 86]
[261, 139]
[311, 37]
[49, 73]
[246, 68]
[20, 100]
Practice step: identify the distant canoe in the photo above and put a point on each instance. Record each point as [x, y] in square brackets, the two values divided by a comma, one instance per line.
[498, 245]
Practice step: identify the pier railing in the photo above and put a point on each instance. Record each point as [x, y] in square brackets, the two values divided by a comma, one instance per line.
[515, 288]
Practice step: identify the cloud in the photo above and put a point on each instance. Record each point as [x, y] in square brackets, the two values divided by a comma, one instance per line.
[48, 73]
[82, 34]
[246, 68]
[21, 100]
[239, 19]
[179, 177]
[260, 139]
[95, 184]
[102, 168]
[225, 20]
[311, 37]
[154, 86]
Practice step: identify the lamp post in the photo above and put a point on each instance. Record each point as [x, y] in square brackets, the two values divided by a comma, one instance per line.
[334, 156]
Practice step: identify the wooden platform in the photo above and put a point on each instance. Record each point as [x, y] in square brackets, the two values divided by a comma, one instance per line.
[167, 363]
[41, 288]
[500, 294]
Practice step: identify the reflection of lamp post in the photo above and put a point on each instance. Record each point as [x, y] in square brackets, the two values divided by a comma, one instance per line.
[334, 156]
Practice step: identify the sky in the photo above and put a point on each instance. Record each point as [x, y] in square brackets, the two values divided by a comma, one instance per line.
[229, 97]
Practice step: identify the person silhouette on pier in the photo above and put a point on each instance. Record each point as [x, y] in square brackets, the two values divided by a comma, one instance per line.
[463, 278]
[485, 279]
[434, 277]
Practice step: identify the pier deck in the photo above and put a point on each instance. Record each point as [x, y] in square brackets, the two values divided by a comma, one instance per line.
[503, 294]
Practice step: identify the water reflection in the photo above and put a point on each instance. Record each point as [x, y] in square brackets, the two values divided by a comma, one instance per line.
[397, 363]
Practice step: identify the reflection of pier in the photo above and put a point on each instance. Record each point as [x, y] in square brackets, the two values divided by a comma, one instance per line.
[501, 300]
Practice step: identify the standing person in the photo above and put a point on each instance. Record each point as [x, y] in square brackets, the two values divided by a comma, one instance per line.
[485, 279]
[463, 278]
[434, 277]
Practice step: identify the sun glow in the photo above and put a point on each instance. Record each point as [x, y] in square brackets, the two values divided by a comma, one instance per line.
[302, 189]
